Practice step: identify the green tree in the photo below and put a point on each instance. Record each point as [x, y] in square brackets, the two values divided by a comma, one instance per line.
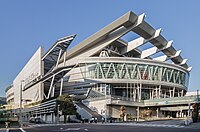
[66, 106]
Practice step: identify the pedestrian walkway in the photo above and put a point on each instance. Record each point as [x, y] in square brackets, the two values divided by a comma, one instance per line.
[194, 126]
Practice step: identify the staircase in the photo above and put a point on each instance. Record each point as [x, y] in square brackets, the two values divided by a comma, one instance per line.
[94, 94]
[92, 113]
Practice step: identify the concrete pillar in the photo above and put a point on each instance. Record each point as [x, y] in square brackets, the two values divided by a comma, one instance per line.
[157, 112]
[138, 113]
[165, 94]
[127, 91]
[152, 93]
[173, 91]
[51, 117]
[134, 94]
[156, 92]
[150, 96]
[182, 93]
[159, 91]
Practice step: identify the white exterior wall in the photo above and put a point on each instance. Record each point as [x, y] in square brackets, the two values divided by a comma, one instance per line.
[10, 91]
[100, 106]
[97, 106]
[30, 71]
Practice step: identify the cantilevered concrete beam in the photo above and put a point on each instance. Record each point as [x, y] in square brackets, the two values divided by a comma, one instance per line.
[126, 20]
[176, 55]
[154, 50]
[184, 62]
[111, 38]
[165, 57]
[161, 58]
[138, 42]
[189, 69]
[149, 52]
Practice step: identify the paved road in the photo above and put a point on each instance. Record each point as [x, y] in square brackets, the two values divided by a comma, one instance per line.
[103, 128]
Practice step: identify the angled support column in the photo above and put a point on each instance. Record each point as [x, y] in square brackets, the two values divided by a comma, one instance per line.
[61, 86]
[51, 86]
[60, 52]
[44, 96]
[53, 91]
[64, 61]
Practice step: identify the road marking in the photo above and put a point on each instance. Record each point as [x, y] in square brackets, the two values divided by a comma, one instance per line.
[22, 130]
[73, 129]
[86, 129]
[7, 130]
[68, 129]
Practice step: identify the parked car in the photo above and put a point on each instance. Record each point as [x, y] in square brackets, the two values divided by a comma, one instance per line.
[36, 120]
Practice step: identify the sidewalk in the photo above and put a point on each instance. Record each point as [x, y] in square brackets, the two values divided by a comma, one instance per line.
[194, 126]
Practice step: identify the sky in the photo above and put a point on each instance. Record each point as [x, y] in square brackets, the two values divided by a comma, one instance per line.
[26, 25]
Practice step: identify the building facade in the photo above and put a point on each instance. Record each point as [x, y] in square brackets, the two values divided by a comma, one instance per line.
[109, 70]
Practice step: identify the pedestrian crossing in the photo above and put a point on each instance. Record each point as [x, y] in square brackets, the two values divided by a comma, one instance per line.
[148, 125]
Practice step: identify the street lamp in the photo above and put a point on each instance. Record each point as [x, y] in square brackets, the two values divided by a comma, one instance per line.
[20, 103]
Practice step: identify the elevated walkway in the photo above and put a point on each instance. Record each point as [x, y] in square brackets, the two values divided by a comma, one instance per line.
[114, 100]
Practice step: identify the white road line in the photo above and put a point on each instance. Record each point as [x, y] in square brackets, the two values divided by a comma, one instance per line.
[22, 130]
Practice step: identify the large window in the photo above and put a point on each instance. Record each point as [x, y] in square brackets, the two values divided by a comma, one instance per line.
[136, 72]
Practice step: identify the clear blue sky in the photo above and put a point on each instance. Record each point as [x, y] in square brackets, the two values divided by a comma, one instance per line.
[26, 25]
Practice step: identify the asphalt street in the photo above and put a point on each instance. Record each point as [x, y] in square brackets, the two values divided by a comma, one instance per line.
[102, 128]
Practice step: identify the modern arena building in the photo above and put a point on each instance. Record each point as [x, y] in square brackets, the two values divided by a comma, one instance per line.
[146, 74]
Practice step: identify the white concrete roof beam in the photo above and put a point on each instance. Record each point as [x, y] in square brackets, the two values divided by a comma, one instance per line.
[161, 58]
[139, 41]
[184, 62]
[149, 52]
[189, 69]
[144, 30]
[112, 37]
[154, 50]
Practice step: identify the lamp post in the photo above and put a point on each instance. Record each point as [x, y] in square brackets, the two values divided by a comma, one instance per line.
[20, 110]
